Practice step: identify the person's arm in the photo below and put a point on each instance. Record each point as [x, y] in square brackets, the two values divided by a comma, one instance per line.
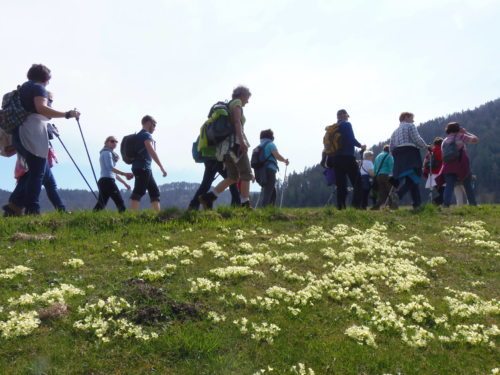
[127, 175]
[349, 133]
[148, 143]
[469, 137]
[43, 109]
[238, 128]
[127, 186]
[417, 139]
[279, 157]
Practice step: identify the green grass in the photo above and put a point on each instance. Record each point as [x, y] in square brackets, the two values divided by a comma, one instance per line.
[189, 343]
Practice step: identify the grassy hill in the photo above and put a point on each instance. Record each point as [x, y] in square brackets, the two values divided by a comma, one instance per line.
[297, 291]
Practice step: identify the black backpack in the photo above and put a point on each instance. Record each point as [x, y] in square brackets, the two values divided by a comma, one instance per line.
[130, 148]
[12, 114]
[258, 163]
[450, 151]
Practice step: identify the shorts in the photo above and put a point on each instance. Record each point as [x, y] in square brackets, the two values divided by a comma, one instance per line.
[144, 180]
[240, 170]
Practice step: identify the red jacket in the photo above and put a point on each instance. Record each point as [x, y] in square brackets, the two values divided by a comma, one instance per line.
[437, 161]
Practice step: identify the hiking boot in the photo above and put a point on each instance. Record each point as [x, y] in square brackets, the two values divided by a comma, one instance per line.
[11, 209]
[247, 205]
[207, 200]
[394, 201]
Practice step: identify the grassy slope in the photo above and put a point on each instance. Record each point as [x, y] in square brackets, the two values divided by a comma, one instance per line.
[190, 344]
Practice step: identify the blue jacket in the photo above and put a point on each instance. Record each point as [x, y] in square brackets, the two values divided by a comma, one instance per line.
[348, 141]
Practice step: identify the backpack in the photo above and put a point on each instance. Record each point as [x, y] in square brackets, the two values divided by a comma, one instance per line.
[6, 147]
[450, 151]
[332, 140]
[258, 163]
[201, 155]
[130, 148]
[12, 114]
[218, 126]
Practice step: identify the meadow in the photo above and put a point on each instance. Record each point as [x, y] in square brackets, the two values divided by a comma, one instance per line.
[292, 291]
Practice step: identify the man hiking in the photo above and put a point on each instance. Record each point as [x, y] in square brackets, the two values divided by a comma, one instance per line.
[141, 166]
[234, 151]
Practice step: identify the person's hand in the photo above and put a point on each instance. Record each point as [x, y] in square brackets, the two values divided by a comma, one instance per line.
[164, 172]
[73, 114]
[129, 176]
[429, 148]
[243, 148]
[127, 186]
[287, 162]
[462, 130]
[363, 147]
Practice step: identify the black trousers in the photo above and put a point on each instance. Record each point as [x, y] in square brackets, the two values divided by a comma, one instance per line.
[212, 167]
[108, 189]
[268, 192]
[346, 166]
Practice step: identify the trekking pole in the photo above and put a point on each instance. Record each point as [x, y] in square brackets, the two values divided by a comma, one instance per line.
[74, 162]
[283, 188]
[430, 177]
[86, 149]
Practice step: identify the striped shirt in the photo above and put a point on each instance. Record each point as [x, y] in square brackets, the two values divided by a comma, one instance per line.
[406, 135]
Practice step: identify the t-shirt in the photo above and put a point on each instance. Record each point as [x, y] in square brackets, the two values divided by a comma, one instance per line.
[107, 163]
[237, 103]
[27, 93]
[366, 166]
[388, 161]
[143, 160]
[271, 163]
[33, 131]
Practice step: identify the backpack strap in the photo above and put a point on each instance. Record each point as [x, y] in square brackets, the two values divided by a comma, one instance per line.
[381, 164]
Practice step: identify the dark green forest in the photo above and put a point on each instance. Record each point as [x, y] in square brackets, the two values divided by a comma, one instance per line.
[308, 188]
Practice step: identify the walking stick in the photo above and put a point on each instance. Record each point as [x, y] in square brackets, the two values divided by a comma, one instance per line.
[283, 188]
[86, 149]
[73, 160]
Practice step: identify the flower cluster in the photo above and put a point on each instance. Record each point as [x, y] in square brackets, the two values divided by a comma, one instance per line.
[10, 273]
[232, 272]
[203, 285]
[100, 320]
[416, 336]
[466, 304]
[151, 275]
[265, 332]
[51, 296]
[74, 263]
[474, 334]
[362, 335]
[215, 317]
[301, 369]
[19, 324]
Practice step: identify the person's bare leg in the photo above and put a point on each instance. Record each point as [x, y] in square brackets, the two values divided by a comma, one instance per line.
[223, 185]
[245, 190]
[134, 205]
[155, 205]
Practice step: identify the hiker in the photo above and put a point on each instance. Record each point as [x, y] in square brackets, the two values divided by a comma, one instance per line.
[432, 166]
[405, 147]
[457, 168]
[234, 152]
[212, 167]
[106, 184]
[384, 162]
[270, 156]
[31, 141]
[344, 163]
[141, 166]
[366, 170]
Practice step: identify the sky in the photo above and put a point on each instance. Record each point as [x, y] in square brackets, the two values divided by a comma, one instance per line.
[302, 60]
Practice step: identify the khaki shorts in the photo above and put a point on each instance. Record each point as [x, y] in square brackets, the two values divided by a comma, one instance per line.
[240, 170]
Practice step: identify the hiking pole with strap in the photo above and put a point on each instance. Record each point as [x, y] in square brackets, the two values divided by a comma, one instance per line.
[86, 149]
[74, 162]
[283, 188]
[430, 177]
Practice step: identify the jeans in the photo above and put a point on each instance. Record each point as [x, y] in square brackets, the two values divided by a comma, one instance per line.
[411, 186]
[144, 180]
[28, 188]
[450, 180]
[366, 188]
[269, 189]
[212, 167]
[346, 166]
[49, 183]
[108, 189]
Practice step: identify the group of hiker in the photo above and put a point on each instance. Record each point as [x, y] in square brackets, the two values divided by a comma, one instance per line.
[223, 148]
[399, 168]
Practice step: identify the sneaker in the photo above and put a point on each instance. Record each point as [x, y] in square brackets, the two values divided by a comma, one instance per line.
[207, 200]
[11, 209]
[247, 205]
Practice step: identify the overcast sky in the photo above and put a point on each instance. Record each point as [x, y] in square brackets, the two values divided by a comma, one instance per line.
[302, 60]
